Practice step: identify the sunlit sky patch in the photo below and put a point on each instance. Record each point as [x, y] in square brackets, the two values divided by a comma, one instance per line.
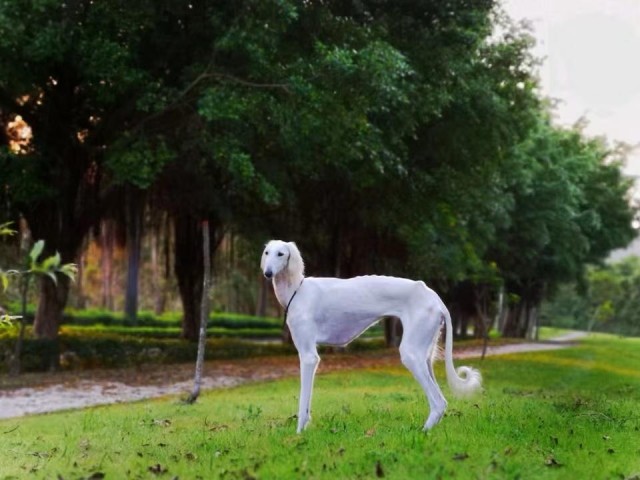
[591, 52]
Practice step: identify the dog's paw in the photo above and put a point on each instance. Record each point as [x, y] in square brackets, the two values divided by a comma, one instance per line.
[303, 421]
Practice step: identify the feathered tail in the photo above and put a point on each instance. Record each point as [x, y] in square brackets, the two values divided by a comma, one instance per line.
[466, 380]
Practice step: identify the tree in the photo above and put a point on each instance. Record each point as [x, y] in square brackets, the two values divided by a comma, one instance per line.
[204, 312]
[49, 268]
[89, 81]
[74, 73]
[606, 300]
[570, 208]
[400, 137]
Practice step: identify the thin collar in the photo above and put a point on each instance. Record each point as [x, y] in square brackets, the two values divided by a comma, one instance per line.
[286, 310]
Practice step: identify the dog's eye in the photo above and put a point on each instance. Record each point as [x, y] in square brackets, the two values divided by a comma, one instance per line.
[280, 254]
[266, 253]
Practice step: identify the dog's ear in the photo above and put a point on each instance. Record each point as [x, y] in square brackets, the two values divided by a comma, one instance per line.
[296, 264]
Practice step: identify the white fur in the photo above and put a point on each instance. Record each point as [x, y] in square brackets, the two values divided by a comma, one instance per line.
[334, 311]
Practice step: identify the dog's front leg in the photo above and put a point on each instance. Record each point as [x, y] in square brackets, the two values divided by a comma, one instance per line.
[309, 360]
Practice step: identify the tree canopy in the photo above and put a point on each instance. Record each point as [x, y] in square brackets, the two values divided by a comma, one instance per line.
[403, 137]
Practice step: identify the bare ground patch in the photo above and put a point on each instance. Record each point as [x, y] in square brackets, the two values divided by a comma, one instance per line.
[49, 392]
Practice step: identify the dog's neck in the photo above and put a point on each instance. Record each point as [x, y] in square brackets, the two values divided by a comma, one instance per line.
[285, 285]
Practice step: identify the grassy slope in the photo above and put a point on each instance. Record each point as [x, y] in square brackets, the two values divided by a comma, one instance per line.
[562, 414]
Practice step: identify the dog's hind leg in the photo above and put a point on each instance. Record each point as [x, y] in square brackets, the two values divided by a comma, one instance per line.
[309, 360]
[435, 415]
[415, 353]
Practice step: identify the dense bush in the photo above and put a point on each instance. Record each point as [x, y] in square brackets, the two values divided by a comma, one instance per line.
[84, 346]
[94, 317]
[110, 351]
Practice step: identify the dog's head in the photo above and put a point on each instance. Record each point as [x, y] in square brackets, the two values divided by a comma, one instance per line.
[279, 256]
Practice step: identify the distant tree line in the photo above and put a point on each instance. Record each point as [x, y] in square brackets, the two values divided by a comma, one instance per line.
[607, 300]
[400, 137]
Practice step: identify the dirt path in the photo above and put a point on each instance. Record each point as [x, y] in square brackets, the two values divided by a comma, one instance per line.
[66, 390]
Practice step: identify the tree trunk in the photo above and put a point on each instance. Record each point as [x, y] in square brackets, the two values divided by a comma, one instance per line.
[163, 239]
[135, 211]
[81, 299]
[189, 272]
[464, 325]
[512, 320]
[156, 276]
[261, 307]
[107, 245]
[532, 323]
[392, 331]
[204, 312]
[53, 299]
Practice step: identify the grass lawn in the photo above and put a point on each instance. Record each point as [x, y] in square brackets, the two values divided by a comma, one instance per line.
[566, 414]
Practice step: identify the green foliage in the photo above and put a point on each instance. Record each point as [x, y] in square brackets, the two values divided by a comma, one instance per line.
[550, 415]
[407, 138]
[609, 300]
[5, 231]
[108, 349]
[5, 318]
[49, 266]
[570, 208]
[117, 347]
[139, 162]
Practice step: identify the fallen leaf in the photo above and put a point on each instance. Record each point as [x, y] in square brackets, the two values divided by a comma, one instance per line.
[247, 475]
[460, 456]
[552, 462]
[157, 469]
[370, 433]
[379, 470]
[216, 428]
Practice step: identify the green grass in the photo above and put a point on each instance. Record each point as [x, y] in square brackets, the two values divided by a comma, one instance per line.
[549, 333]
[566, 414]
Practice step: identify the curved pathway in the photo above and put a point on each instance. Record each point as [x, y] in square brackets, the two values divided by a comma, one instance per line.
[69, 390]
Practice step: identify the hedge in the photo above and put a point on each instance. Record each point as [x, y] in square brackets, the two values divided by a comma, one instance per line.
[108, 350]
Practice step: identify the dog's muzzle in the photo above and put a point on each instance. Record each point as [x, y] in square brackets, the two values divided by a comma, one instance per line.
[268, 273]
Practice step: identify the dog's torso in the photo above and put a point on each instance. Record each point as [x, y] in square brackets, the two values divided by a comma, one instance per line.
[320, 303]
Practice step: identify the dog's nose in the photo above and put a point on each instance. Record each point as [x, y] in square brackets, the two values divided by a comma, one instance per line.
[268, 273]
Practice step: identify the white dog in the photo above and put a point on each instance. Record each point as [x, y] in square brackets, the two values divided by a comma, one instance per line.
[334, 311]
